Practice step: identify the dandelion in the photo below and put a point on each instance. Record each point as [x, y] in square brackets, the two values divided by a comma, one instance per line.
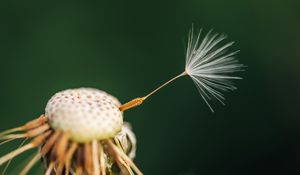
[83, 132]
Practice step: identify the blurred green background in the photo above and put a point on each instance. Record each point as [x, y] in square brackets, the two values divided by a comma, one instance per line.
[128, 48]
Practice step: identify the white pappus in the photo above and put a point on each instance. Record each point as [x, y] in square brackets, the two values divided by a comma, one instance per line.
[209, 64]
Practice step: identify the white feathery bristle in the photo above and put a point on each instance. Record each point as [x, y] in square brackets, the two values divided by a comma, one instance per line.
[208, 63]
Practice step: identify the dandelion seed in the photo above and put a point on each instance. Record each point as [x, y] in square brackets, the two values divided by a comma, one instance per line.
[209, 64]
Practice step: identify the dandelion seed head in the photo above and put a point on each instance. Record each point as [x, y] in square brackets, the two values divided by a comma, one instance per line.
[209, 64]
[86, 113]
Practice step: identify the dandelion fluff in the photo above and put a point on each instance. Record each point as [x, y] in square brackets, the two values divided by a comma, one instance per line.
[209, 64]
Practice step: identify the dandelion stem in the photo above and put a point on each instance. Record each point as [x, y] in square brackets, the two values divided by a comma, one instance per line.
[138, 101]
[163, 85]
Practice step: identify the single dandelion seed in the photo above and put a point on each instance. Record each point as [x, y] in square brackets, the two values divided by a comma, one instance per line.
[83, 132]
[209, 64]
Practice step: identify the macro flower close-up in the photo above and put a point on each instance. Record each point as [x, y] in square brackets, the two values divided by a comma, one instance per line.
[81, 130]
[158, 87]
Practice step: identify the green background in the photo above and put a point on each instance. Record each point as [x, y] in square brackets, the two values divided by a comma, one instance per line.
[128, 48]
